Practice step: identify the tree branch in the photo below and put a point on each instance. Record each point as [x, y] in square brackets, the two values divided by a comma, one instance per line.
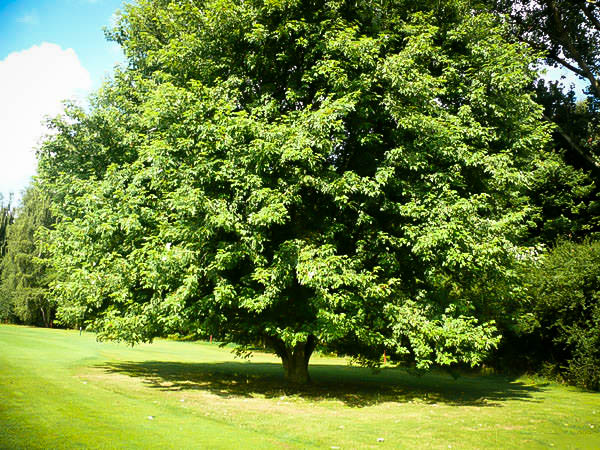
[574, 53]
[571, 142]
[565, 63]
[277, 345]
[589, 13]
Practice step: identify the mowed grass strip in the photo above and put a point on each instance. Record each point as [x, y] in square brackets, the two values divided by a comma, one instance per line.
[59, 389]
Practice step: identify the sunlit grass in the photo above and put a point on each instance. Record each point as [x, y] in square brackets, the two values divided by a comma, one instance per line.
[62, 390]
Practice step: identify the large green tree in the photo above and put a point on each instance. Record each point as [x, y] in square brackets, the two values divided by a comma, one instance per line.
[345, 173]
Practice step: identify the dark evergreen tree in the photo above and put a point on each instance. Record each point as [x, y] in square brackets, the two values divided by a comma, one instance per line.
[6, 219]
[24, 274]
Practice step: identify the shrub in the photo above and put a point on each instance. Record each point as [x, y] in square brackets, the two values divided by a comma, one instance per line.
[565, 298]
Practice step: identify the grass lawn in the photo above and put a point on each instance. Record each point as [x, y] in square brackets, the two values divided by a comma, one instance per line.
[62, 390]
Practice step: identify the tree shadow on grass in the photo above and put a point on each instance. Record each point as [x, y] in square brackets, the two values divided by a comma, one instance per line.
[354, 386]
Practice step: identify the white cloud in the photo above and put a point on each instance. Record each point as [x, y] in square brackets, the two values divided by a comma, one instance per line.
[33, 84]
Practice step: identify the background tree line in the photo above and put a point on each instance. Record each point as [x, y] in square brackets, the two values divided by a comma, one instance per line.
[24, 274]
[359, 176]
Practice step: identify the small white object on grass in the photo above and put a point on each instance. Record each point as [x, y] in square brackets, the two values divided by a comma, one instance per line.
[380, 439]
[150, 417]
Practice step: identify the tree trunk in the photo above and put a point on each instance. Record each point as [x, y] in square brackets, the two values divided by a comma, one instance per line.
[295, 366]
[295, 360]
[44, 316]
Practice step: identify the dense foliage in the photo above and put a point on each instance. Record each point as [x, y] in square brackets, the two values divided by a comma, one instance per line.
[24, 274]
[564, 311]
[567, 34]
[350, 174]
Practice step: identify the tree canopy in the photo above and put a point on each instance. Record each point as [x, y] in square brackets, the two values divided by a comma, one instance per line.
[347, 174]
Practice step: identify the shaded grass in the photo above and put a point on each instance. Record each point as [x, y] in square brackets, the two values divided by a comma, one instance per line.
[62, 390]
[353, 386]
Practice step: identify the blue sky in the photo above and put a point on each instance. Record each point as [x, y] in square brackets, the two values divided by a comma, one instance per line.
[50, 50]
[75, 24]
